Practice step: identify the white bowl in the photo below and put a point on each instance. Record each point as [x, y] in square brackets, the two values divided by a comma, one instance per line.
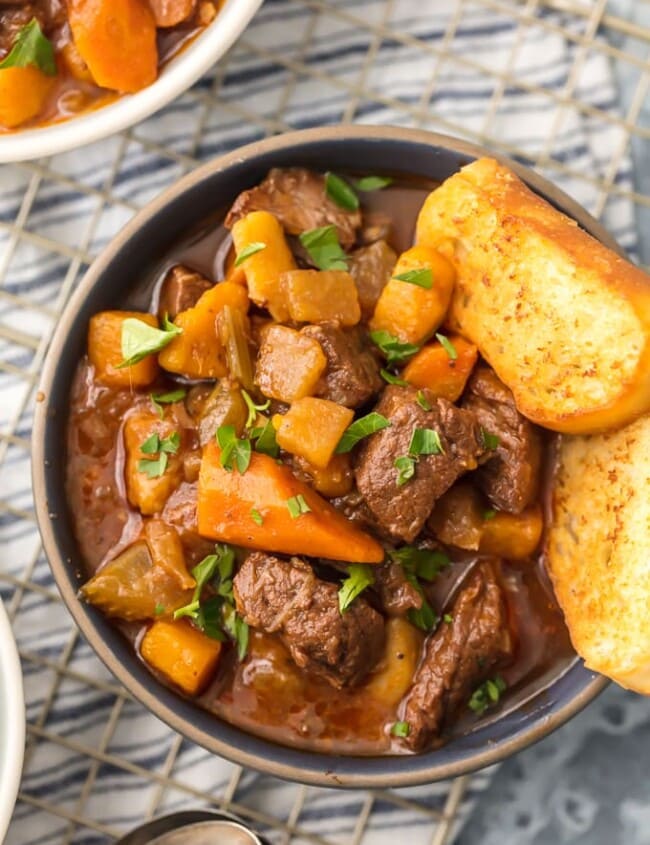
[12, 722]
[177, 76]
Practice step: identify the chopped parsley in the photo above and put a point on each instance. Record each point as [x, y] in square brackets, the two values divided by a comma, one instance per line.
[340, 192]
[139, 339]
[297, 505]
[163, 447]
[324, 248]
[392, 347]
[359, 577]
[160, 399]
[372, 183]
[31, 47]
[490, 441]
[265, 442]
[422, 401]
[425, 565]
[421, 276]
[235, 451]
[257, 517]
[393, 379]
[401, 729]
[425, 441]
[253, 409]
[489, 514]
[448, 618]
[160, 609]
[405, 466]
[237, 628]
[447, 345]
[250, 249]
[487, 695]
[363, 427]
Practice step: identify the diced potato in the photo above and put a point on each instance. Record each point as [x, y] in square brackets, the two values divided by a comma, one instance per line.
[445, 377]
[336, 479]
[264, 268]
[105, 350]
[458, 517]
[23, 91]
[321, 296]
[167, 551]
[514, 536]
[182, 654]
[148, 494]
[198, 352]
[312, 428]
[393, 676]
[408, 311]
[132, 587]
[289, 364]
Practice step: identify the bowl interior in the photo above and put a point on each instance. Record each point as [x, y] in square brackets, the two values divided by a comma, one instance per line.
[130, 256]
[12, 722]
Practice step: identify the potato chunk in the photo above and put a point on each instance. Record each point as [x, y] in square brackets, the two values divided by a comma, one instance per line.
[197, 352]
[149, 494]
[264, 267]
[185, 656]
[321, 296]
[411, 312]
[105, 350]
[336, 479]
[390, 682]
[23, 92]
[312, 428]
[434, 368]
[289, 364]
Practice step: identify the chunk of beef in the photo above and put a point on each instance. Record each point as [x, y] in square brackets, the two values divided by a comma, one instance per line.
[181, 289]
[298, 199]
[13, 17]
[371, 268]
[459, 656]
[352, 374]
[285, 596]
[403, 509]
[397, 594]
[510, 479]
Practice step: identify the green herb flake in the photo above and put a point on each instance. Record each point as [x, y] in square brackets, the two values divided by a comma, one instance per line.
[447, 345]
[31, 47]
[235, 451]
[448, 618]
[405, 466]
[265, 440]
[487, 695]
[139, 339]
[363, 427]
[490, 441]
[421, 276]
[422, 401]
[340, 192]
[209, 618]
[426, 564]
[297, 506]
[401, 729]
[160, 610]
[324, 248]
[489, 514]
[250, 249]
[425, 618]
[359, 577]
[393, 349]
[160, 399]
[151, 445]
[154, 468]
[253, 409]
[372, 183]
[257, 517]
[425, 441]
[171, 444]
[237, 628]
[221, 563]
[393, 379]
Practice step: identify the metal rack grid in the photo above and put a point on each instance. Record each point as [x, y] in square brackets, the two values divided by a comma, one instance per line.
[322, 68]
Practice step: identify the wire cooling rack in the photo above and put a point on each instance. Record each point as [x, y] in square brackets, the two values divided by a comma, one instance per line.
[96, 764]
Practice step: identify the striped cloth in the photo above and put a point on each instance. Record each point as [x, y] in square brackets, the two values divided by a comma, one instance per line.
[294, 68]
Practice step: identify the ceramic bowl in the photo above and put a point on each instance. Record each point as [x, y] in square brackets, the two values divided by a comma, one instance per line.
[12, 722]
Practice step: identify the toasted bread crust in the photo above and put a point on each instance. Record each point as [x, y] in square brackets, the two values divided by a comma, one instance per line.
[563, 320]
[598, 550]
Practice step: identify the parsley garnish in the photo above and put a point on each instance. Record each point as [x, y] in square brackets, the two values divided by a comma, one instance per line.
[257, 517]
[394, 350]
[487, 695]
[265, 441]
[489, 514]
[160, 609]
[363, 427]
[253, 408]
[422, 401]
[421, 276]
[31, 47]
[447, 345]
[237, 628]
[405, 466]
[155, 445]
[340, 192]
[324, 248]
[393, 379]
[448, 618]
[401, 729]
[235, 451]
[426, 565]
[221, 562]
[372, 183]
[297, 506]
[139, 339]
[490, 441]
[425, 441]
[160, 399]
[250, 249]
[359, 577]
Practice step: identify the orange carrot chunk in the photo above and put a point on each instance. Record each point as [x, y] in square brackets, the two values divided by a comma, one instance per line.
[435, 368]
[23, 91]
[184, 655]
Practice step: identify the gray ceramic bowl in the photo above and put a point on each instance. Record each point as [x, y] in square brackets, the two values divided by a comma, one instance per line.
[141, 243]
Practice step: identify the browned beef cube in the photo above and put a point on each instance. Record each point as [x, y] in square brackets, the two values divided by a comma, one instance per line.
[510, 479]
[397, 595]
[371, 267]
[403, 509]
[298, 199]
[352, 374]
[181, 289]
[459, 657]
[285, 596]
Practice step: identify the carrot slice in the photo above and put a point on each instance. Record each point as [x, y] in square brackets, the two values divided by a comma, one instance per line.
[228, 502]
[434, 368]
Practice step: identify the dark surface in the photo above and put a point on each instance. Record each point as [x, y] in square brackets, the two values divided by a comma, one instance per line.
[283, 596]
[510, 479]
[403, 510]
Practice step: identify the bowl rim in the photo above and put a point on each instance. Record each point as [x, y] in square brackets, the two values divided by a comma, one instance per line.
[12, 736]
[330, 769]
[177, 75]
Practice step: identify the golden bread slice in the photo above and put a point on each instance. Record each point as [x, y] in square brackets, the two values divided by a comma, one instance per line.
[563, 320]
[598, 550]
